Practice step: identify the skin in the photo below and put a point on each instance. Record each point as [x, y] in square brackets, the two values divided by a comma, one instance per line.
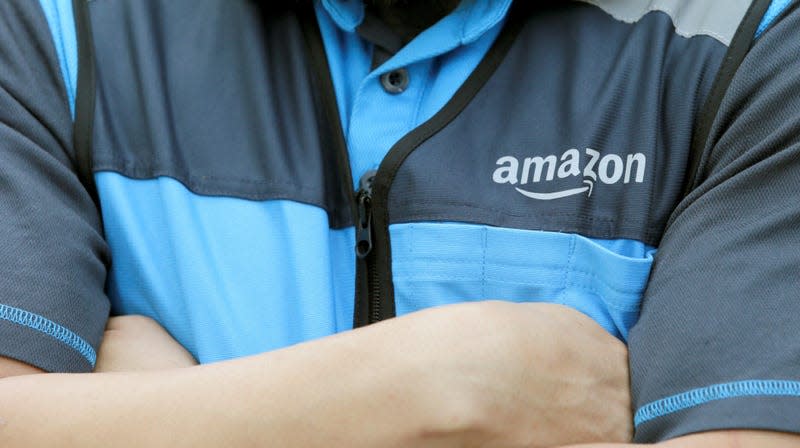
[481, 374]
[120, 342]
[137, 344]
[410, 17]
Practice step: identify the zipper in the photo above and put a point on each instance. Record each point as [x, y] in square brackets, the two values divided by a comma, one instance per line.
[374, 291]
[364, 245]
[364, 224]
[374, 285]
[330, 127]
[374, 299]
[371, 304]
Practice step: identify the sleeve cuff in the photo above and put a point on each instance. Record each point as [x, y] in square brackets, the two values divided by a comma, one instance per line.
[753, 404]
[39, 341]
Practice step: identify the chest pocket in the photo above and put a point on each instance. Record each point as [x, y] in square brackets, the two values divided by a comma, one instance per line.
[441, 263]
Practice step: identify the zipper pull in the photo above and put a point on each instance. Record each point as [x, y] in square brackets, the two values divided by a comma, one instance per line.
[364, 224]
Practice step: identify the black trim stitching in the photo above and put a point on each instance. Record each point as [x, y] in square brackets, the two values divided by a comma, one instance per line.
[740, 45]
[403, 148]
[328, 114]
[84, 99]
[327, 104]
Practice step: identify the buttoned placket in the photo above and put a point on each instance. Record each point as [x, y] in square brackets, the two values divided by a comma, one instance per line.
[395, 97]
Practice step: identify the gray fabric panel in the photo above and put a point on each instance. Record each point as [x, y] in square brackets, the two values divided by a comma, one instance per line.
[715, 18]
[756, 413]
[566, 83]
[215, 94]
[723, 300]
[51, 249]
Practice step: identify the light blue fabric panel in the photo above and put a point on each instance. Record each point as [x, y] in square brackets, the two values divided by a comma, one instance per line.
[438, 61]
[231, 277]
[227, 277]
[62, 26]
[442, 263]
[775, 10]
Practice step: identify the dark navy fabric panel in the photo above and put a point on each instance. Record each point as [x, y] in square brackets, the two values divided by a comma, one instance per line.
[724, 295]
[52, 254]
[215, 94]
[603, 162]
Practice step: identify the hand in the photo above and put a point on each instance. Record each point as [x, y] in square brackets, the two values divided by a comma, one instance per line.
[522, 375]
[137, 343]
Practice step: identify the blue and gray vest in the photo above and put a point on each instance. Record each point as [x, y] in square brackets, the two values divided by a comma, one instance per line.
[218, 140]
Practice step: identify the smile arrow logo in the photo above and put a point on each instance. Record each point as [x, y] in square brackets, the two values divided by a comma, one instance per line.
[559, 194]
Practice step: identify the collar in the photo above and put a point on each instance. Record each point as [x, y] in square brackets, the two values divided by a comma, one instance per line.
[466, 24]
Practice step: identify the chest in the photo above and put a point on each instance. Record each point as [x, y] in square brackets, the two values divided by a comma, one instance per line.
[227, 188]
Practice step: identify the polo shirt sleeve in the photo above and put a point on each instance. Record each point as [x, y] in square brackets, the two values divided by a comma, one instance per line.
[717, 345]
[53, 257]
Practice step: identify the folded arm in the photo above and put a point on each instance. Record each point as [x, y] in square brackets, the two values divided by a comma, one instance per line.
[482, 374]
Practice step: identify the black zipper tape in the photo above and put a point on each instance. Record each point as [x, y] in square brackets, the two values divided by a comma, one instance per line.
[379, 303]
[83, 126]
[374, 298]
[328, 117]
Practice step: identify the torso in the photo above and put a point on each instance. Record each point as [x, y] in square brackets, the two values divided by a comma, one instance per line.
[229, 208]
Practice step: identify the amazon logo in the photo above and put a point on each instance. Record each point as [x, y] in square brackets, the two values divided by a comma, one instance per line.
[531, 175]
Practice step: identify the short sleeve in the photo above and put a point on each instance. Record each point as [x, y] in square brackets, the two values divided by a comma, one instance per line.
[53, 257]
[717, 345]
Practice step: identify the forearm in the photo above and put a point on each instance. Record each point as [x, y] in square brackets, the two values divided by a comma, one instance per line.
[718, 439]
[482, 374]
[324, 393]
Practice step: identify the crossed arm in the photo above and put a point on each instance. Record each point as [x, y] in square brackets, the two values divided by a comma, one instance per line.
[487, 374]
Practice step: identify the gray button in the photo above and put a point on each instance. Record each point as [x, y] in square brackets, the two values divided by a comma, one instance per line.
[395, 81]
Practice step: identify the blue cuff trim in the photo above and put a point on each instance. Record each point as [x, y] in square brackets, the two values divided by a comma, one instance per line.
[696, 397]
[775, 9]
[50, 328]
